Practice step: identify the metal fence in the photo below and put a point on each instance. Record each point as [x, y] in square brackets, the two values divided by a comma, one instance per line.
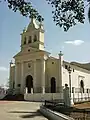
[79, 90]
[76, 114]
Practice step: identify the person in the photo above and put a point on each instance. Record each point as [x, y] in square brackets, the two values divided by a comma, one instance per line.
[66, 95]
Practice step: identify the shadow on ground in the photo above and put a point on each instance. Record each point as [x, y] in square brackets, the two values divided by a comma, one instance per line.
[29, 115]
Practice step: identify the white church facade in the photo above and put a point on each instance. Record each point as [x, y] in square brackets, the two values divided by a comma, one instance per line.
[35, 72]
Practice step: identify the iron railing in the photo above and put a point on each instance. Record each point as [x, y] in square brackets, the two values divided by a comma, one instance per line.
[79, 90]
[76, 114]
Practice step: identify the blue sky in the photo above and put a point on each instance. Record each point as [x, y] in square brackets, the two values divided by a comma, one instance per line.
[11, 25]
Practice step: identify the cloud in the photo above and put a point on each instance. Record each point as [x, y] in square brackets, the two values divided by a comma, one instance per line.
[74, 42]
[3, 68]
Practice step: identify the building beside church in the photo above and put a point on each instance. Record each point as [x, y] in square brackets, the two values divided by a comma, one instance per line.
[35, 72]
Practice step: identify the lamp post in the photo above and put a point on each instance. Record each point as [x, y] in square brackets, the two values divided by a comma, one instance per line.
[70, 91]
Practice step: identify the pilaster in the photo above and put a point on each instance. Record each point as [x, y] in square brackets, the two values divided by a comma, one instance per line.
[43, 75]
[22, 79]
[35, 79]
[60, 71]
[16, 78]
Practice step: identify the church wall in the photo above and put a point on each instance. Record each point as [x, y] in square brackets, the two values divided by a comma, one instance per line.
[41, 36]
[17, 75]
[46, 75]
[28, 57]
[52, 71]
[38, 73]
[76, 76]
[25, 51]
[12, 76]
[28, 70]
[65, 77]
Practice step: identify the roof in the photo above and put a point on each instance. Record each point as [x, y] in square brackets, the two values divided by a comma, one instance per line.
[34, 24]
[54, 58]
[34, 50]
[85, 66]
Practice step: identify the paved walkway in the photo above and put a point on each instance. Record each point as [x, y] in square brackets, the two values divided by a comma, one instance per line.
[83, 105]
[10, 110]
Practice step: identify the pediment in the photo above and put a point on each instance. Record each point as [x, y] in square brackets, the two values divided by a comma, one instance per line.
[32, 51]
[26, 51]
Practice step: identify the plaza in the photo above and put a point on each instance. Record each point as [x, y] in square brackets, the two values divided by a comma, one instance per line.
[14, 110]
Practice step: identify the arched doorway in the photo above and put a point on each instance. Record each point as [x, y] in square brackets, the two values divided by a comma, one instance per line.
[29, 83]
[53, 85]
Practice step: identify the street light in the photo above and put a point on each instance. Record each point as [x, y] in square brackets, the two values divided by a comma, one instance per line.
[69, 71]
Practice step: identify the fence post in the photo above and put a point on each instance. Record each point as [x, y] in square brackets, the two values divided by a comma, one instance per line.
[73, 92]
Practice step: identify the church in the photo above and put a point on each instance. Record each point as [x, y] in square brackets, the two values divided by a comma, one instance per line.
[36, 74]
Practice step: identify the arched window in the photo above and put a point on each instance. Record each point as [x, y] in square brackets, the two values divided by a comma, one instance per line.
[35, 38]
[30, 39]
[82, 86]
[25, 40]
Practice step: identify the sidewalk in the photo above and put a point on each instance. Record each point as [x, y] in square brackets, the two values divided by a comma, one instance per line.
[14, 110]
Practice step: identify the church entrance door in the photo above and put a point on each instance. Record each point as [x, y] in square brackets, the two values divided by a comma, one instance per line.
[29, 83]
[53, 85]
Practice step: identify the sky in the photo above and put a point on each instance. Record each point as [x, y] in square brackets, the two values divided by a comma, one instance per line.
[75, 43]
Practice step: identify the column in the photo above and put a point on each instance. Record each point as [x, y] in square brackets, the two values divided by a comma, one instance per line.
[70, 84]
[35, 79]
[60, 71]
[16, 77]
[22, 80]
[43, 76]
[10, 77]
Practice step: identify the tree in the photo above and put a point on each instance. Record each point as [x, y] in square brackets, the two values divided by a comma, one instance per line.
[89, 10]
[66, 13]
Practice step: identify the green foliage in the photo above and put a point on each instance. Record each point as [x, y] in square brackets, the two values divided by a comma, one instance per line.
[89, 10]
[66, 13]
[89, 14]
[25, 8]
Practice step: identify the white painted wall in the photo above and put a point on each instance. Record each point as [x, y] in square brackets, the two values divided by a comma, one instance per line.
[75, 79]
[43, 97]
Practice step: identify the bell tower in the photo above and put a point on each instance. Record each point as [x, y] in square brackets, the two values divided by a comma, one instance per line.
[33, 36]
